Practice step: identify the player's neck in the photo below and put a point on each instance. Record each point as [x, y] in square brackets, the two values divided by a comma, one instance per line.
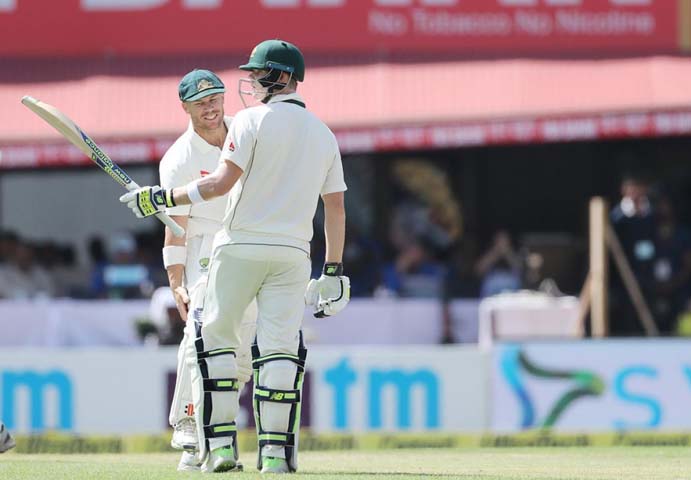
[215, 137]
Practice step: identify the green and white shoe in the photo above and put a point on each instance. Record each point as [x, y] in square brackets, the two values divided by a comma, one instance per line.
[189, 463]
[274, 465]
[219, 460]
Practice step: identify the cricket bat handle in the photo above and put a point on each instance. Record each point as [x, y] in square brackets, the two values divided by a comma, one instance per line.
[177, 230]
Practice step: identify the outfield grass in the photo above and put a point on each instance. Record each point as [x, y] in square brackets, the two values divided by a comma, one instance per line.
[601, 463]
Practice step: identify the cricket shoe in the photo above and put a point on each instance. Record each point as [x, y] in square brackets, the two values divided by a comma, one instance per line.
[6, 440]
[274, 465]
[219, 460]
[185, 435]
[189, 462]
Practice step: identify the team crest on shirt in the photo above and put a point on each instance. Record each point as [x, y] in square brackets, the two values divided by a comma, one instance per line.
[231, 147]
[204, 263]
[204, 84]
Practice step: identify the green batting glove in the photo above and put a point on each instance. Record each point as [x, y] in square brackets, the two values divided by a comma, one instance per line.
[147, 201]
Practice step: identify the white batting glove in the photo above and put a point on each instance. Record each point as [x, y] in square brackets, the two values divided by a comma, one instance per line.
[147, 201]
[330, 293]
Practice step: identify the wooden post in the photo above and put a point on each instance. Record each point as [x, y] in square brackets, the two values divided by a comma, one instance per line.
[583, 306]
[599, 320]
[631, 284]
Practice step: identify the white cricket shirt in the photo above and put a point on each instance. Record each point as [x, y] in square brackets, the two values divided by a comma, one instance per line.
[189, 159]
[289, 157]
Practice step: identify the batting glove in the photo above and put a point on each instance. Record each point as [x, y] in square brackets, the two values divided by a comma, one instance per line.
[147, 201]
[330, 293]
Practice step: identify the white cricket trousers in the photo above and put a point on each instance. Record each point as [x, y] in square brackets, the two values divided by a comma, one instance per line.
[196, 276]
[277, 277]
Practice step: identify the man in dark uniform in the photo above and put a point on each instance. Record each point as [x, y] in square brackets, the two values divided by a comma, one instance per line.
[634, 223]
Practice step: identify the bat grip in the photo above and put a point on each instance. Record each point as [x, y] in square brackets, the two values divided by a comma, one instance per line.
[177, 230]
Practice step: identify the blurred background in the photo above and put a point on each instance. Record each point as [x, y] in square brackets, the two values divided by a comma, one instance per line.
[475, 135]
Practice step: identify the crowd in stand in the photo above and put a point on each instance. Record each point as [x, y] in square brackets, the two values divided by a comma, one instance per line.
[123, 266]
[426, 254]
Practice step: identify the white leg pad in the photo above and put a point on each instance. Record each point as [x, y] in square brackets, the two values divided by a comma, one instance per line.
[214, 409]
[278, 375]
[182, 398]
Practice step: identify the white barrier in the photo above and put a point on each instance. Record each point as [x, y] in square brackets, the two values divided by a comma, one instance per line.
[67, 323]
[58, 323]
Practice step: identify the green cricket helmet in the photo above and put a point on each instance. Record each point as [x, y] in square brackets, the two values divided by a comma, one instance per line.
[277, 55]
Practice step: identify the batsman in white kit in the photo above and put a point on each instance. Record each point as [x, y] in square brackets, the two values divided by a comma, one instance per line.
[278, 159]
[194, 155]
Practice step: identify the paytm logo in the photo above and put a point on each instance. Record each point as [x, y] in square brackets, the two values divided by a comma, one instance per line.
[342, 378]
[36, 386]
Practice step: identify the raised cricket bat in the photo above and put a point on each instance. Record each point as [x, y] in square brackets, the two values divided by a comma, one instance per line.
[60, 122]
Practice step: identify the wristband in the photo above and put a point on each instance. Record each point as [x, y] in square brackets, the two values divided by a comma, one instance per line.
[193, 193]
[333, 269]
[170, 201]
[174, 255]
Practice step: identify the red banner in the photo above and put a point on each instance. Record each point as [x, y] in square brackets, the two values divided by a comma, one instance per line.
[495, 27]
[402, 138]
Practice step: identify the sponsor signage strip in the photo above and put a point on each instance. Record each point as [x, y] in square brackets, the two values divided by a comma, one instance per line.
[397, 138]
[62, 444]
[151, 27]
[347, 390]
[627, 385]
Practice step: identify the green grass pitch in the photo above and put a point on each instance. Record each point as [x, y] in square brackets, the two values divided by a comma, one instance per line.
[601, 463]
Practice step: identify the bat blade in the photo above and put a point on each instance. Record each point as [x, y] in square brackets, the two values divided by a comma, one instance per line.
[76, 136]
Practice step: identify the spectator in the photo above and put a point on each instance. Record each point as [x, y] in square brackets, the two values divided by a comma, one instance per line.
[414, 273]
[672, 269]
[120, 274]
[499, 268]
[428, 213]
[8, 244]
[99, 260]
[22, 278]
[59, 262]
[634, 223]
[362, 255]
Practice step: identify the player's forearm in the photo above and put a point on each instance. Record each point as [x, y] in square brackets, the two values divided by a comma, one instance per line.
[334, 226]
[208, 188]
[175, 275]
[215, 185]
[175, 253]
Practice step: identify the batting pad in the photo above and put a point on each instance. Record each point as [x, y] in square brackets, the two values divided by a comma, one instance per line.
[278, 381]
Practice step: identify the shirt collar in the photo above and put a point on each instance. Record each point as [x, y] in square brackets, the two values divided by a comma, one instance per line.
[199, 143]
[286, 96]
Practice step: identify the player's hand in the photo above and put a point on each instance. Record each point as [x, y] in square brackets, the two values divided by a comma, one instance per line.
[182, 300]
[147, 201]
[330, 293]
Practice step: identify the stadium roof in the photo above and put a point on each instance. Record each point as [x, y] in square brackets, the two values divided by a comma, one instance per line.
[379, 107]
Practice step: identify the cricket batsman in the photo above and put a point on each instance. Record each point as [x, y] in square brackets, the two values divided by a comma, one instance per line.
[193, 155]
[277, 161]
